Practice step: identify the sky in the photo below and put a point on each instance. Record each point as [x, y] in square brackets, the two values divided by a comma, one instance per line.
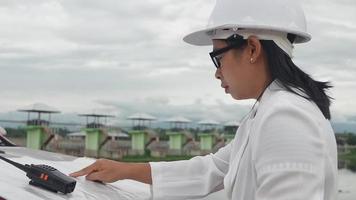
[124, 57]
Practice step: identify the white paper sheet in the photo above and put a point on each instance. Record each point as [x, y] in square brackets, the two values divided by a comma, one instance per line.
[14, 183]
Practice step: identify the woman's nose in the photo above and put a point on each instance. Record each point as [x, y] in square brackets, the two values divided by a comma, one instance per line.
[218, 73]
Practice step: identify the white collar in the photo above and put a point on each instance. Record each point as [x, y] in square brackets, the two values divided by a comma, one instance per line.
[274, 86]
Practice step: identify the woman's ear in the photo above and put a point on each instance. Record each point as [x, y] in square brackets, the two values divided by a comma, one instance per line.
[254, 48]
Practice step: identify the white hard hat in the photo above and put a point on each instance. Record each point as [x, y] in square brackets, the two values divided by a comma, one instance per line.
[266, 19]
[2, 131]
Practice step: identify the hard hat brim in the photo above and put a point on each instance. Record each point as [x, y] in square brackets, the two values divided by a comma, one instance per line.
[202, 38]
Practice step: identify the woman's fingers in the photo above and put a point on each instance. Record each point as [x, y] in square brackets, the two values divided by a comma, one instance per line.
[96, 176]
[102, 170]
[84, 171]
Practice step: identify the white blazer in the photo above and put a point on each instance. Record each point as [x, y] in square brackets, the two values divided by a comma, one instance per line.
[284, 149]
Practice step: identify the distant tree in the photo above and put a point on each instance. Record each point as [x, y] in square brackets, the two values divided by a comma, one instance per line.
[62, 131]
[351, 139]
[15, 132]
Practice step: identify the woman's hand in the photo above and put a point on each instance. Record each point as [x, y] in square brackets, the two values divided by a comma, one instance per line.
[103, 170]
[109, 171]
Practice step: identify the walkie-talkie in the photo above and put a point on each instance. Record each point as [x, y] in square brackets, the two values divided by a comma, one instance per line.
[46, 177]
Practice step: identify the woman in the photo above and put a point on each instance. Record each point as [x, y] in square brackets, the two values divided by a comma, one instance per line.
[285, 147]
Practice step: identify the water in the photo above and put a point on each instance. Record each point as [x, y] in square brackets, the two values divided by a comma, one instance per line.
[347, 187]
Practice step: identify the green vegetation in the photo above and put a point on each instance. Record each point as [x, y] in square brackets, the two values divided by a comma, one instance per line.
[351, 139]
[61, 131]
[154, 159]
[16, 132]
[346, 138]
[20, 132]
[351, 158]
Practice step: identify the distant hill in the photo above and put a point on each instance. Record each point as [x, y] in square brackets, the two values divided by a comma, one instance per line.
[344, 127]
[339, 127]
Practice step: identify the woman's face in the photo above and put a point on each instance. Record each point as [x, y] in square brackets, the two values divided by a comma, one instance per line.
[236, 74]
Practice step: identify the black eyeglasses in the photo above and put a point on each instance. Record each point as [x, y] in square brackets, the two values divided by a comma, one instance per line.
[233, 41]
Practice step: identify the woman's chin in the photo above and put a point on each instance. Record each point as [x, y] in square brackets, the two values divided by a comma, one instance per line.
[237, 96]
[234, 96]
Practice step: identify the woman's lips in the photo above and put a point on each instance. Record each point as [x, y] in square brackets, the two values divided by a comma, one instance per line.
[226, 89]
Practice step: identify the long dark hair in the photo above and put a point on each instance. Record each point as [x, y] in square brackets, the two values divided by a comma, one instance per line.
[282, 68]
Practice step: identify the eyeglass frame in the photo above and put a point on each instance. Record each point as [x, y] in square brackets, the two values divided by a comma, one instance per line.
[233, 41]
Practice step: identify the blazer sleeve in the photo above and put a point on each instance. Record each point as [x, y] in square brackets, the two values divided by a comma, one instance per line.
[290, 155]
[194, 178]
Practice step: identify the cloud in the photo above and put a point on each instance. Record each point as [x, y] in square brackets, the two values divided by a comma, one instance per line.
[80, 54]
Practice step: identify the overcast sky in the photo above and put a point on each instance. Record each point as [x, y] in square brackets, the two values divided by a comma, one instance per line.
[128, 56]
